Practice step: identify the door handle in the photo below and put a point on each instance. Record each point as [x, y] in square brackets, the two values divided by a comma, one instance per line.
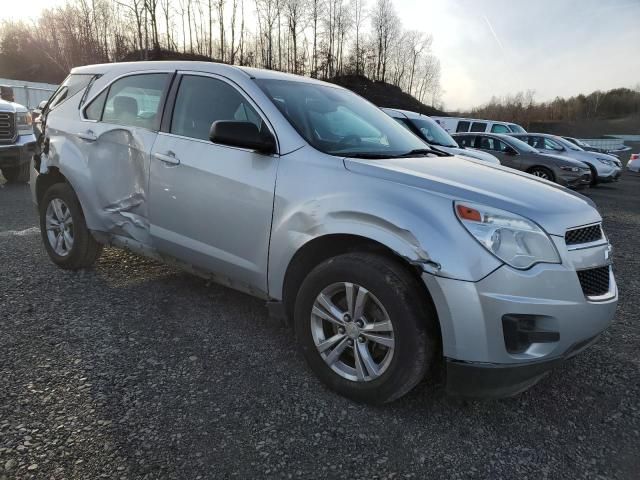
[168, 157]
[89, 136]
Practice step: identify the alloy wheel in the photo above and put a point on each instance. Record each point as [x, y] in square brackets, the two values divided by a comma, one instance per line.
[59, 224]
[352, 332]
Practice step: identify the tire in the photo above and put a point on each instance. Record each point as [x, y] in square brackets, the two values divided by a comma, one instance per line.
[19, 174]
[542, 172]
[393, 291]
[594, 176]
[83, 250]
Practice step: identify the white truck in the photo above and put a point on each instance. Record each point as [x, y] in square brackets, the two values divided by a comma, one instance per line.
[17, 141]
[464, 125]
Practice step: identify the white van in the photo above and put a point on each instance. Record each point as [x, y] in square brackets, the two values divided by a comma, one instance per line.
[461, 125]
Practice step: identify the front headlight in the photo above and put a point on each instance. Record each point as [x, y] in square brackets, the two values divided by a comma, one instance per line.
[570, 169]
[515, 240]
[23, 123]
[606, 161]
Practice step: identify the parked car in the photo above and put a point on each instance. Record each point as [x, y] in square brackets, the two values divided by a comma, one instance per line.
[432, 133]
[462, 125]
[604, 168]
[384, 255]
[589, 148]
[516, 154]
[633, 164]
[17, 142]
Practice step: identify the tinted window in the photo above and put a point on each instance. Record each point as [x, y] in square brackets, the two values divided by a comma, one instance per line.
[94, 110]
[466, 140]
[478, 127]
[71, 85]
[204, 100]
[515, 128]
[463, 126]
[492, 144]
[499, 128]
[338, 122]
[551, 145]
[136, 100]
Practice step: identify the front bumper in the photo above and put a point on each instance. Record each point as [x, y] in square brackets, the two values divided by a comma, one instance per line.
[19, 152]
[575, 179]
[612, 177]
[474, 320]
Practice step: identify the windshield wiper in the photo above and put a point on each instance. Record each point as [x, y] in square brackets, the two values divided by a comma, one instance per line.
[423, 151]
[365, 155]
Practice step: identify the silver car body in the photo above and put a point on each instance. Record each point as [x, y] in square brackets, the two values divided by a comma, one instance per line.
[608, 167]
[240, 217]
[453, 148]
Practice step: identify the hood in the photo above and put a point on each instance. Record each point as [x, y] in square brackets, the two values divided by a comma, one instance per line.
[479, 154]
[11, 107]
[553, 207]
[568, 161]
[469, 153]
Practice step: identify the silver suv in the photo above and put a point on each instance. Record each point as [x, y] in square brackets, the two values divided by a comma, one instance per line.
[387, 257]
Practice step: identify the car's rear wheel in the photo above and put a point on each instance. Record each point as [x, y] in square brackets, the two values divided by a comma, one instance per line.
[19, 174]
[64, 231]
[542, 172]
[365, 326]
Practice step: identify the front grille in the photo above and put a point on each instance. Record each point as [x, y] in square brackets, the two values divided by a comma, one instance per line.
[583, 235]
[7, 127]
[594, 281]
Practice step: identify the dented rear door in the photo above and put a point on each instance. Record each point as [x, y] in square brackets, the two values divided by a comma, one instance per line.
[117, 149]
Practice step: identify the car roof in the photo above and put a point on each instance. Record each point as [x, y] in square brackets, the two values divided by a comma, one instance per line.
[206, 67]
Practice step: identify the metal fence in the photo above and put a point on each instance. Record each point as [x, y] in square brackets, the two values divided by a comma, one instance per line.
[606, 143]
[29, 94]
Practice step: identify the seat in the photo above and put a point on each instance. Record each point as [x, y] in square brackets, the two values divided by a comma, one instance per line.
[125, 109]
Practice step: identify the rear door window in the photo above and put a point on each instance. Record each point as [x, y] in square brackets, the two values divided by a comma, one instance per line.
[499, 128]
[465, 140]
[135, 100]
[463, 126]
[478, 126]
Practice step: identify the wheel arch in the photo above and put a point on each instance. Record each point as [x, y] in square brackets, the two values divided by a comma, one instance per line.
[542, 167]
[46, 180]
[321, 248]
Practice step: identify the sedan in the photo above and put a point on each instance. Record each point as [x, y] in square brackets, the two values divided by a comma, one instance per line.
[517, 154]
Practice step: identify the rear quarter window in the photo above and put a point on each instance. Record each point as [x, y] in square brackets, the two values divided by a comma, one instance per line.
[478, 127]
[73, 84]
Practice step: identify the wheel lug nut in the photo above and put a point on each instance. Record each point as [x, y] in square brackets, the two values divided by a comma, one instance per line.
[347, 317]
[350, 342]
[341, 330]
[360, 323]
[361, 339]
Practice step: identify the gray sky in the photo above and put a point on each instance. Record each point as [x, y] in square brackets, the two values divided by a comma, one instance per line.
[555, 47]
[497, 47]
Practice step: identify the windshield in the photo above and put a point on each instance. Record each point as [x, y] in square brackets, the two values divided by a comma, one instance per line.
[433, 133]
[338, 122]
[568, 144]
[515, 128]
[520, 145]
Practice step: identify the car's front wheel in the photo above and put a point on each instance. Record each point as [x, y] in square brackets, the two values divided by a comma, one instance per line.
[366, 327]
[19, 174]
[542, 172]
[64, 231]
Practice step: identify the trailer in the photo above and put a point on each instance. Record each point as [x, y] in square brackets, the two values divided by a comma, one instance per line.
[29, 94]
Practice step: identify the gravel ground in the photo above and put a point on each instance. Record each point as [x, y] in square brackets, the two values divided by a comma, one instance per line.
[137, 370]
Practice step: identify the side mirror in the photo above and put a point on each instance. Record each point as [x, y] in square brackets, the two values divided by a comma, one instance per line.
[510, 150]
[42, 104]
[242, 134]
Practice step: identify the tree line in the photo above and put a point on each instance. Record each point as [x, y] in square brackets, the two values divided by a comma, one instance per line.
[319, 38]
[523, 109]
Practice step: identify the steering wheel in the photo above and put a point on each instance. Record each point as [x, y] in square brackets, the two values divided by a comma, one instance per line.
[350, 140]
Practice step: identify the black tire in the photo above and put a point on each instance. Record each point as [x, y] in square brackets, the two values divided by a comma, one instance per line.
[594, 176]
[542, 172]
[19, 174]
[411, 313]
[85, 250]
